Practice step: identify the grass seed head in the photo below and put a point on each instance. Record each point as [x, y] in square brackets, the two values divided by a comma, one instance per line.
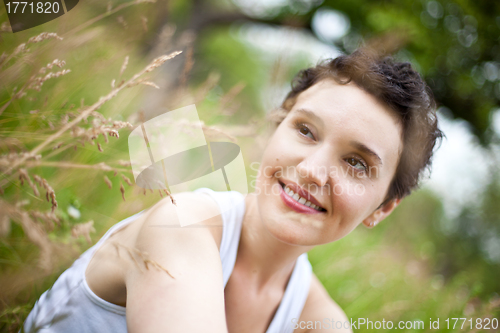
[122, 190]
[108, 182]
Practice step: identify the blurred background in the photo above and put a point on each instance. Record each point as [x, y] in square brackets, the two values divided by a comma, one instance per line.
[68, 102]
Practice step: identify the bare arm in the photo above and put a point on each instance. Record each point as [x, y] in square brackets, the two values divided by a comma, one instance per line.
[321, 313]
[190, 301]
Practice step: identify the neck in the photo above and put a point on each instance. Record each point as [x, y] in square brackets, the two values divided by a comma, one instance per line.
[264, 258]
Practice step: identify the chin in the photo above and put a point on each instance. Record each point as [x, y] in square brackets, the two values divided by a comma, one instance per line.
[291, 234]
[284, 224]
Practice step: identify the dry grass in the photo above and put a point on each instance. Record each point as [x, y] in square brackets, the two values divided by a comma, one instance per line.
[17, 162]
[141, 259]
[24, 162]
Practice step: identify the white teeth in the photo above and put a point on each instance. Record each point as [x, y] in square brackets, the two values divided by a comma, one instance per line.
[299, 199]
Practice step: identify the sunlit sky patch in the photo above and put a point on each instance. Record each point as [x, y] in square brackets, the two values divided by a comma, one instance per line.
[330, 25]
[460, 166]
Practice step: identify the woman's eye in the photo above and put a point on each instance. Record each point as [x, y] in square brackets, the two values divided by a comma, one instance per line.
[357, 164]
[305, 131]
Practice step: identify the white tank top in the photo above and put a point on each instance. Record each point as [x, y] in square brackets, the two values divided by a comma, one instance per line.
[71, 306]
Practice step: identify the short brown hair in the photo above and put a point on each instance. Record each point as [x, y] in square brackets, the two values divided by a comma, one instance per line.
[401, 88]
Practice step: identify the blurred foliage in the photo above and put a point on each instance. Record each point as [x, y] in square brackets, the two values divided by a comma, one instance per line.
[454, 44]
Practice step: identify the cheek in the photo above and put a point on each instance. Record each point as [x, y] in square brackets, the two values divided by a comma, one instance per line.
[353, 200]
[348, 189]
[280, 143]
[266, 174]
[277, 157]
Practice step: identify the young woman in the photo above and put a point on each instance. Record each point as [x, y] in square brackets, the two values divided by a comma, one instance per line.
[354, 136]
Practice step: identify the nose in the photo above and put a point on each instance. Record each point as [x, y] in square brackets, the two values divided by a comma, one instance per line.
[314, 169]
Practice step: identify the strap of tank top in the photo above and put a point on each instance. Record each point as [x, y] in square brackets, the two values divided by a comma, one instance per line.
[294, 297]
[232, 206]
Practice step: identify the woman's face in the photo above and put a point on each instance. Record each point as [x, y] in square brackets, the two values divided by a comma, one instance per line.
[338, 149]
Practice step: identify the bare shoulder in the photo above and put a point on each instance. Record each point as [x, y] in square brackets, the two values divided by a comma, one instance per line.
[188, 213]
[184, 279]
[177, 232]
[321, 313]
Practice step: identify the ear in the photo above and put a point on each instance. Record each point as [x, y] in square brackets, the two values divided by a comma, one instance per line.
[381, 213]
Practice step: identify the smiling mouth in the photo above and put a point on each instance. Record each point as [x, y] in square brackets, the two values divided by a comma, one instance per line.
[297, 202]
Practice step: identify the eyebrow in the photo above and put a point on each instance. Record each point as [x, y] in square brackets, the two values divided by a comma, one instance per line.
[311, 114]
[366, 150]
